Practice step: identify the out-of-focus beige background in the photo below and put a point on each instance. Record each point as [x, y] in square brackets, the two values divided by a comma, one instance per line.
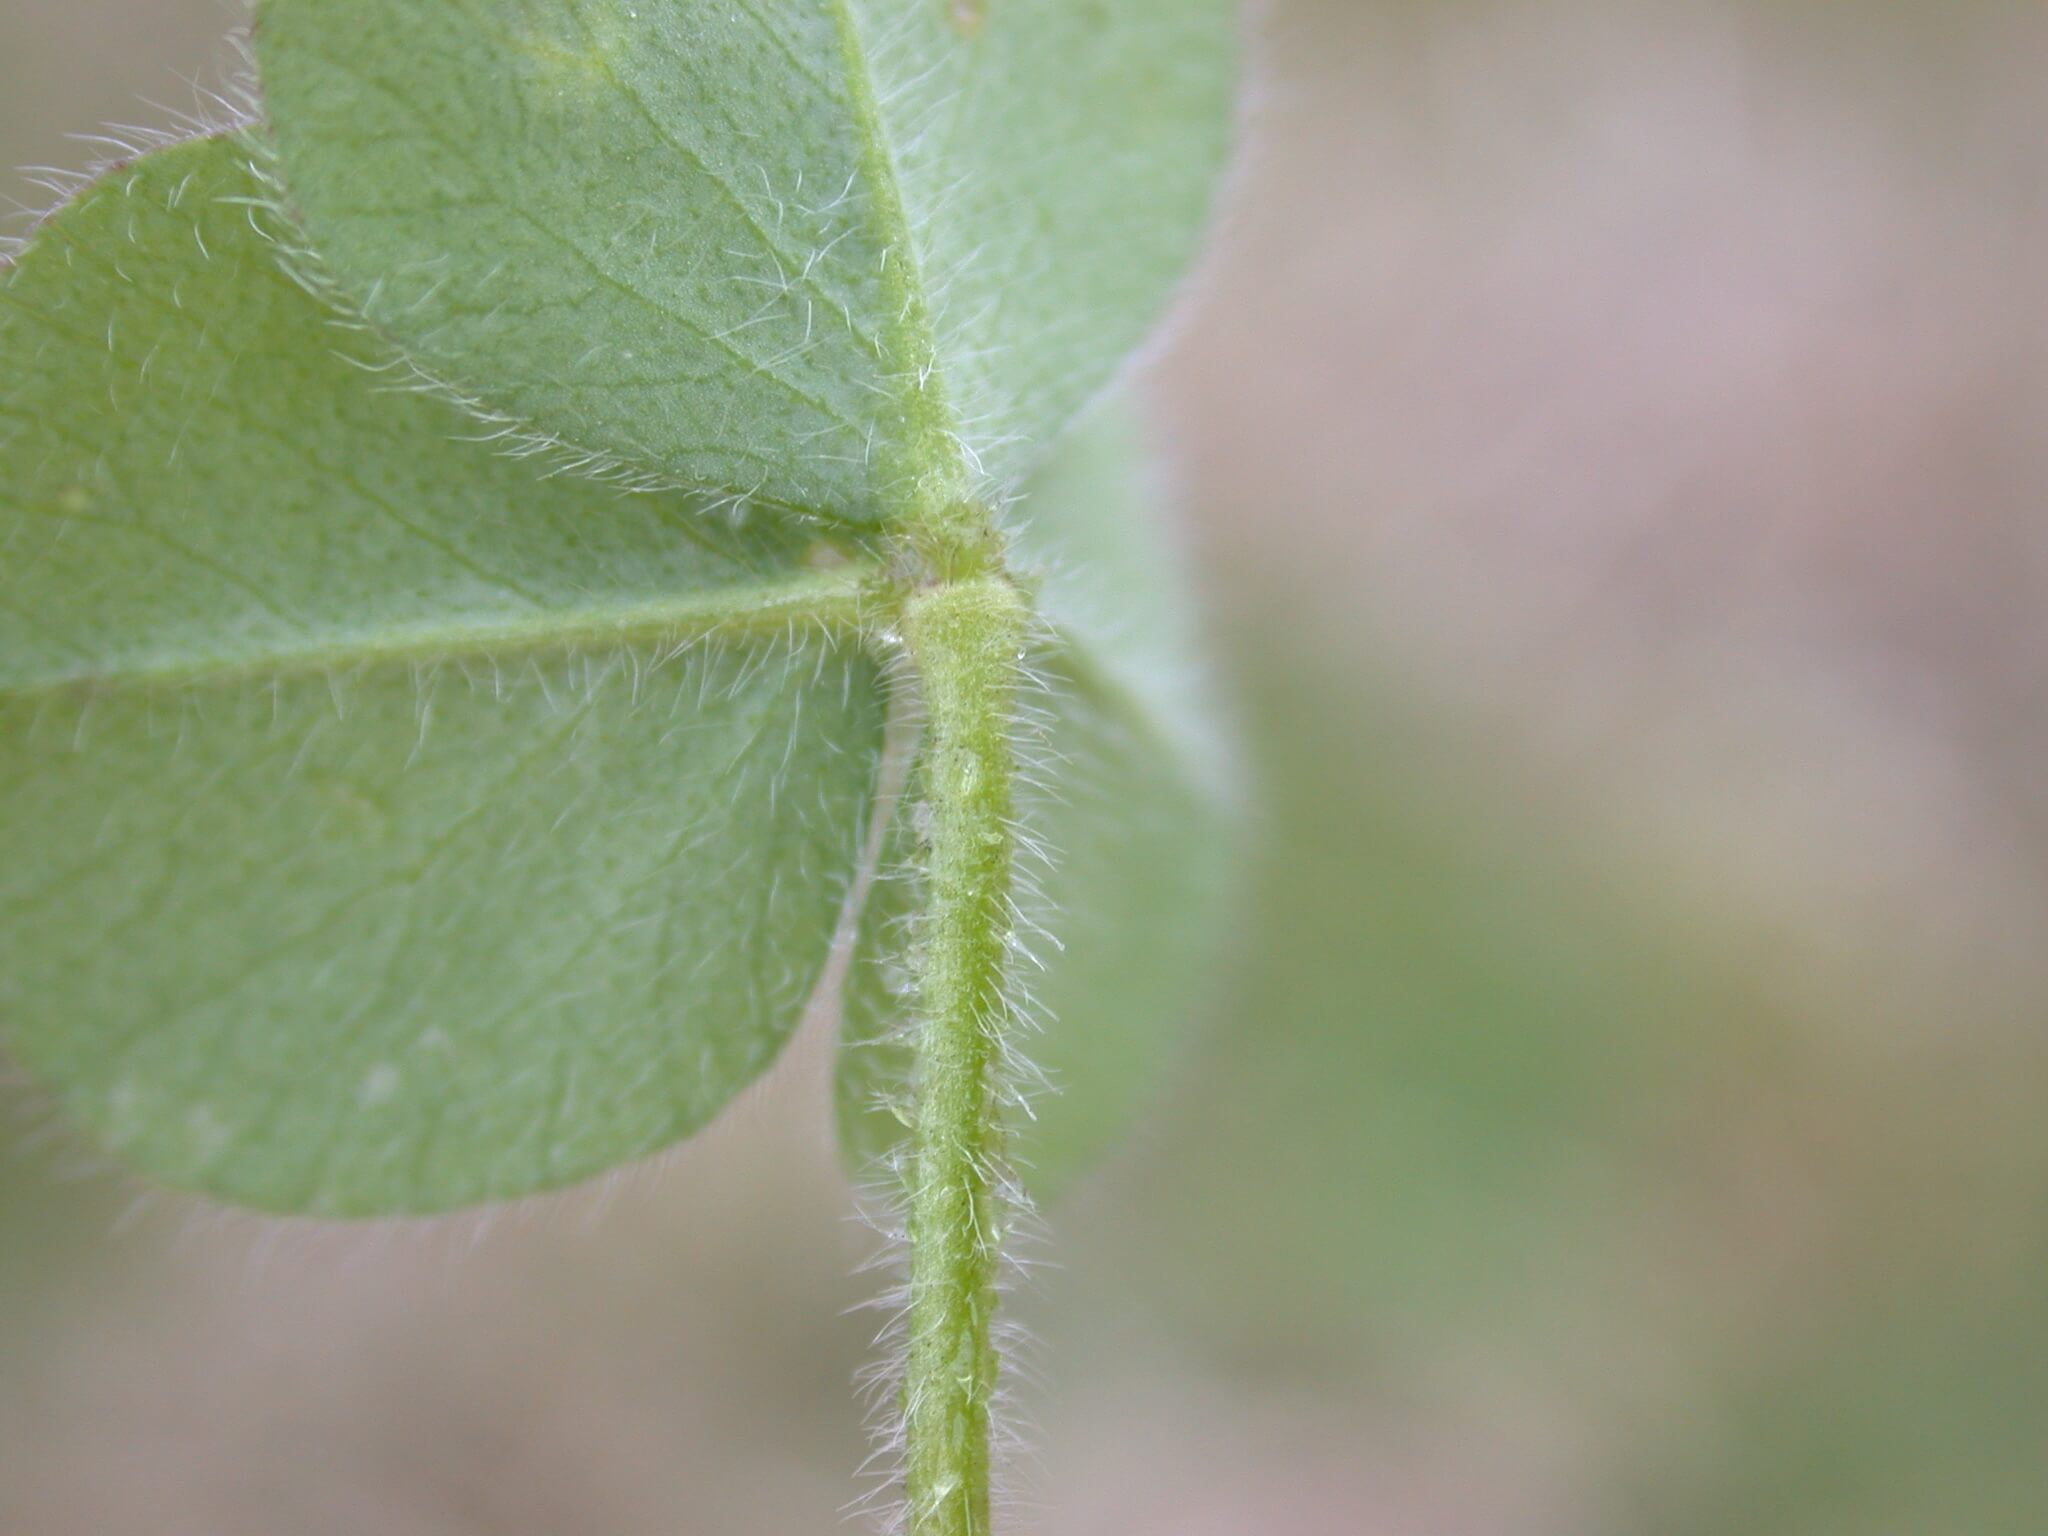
[1615, 439]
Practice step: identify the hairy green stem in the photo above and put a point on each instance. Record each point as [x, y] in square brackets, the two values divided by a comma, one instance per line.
[965, 641]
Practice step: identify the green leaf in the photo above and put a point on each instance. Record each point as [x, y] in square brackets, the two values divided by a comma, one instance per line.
[1131, 807]
[387, 827]
[842, 255]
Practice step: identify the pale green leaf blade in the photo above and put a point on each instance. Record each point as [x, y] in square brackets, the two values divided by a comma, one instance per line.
[832, 253]
[1133, 811]
[453, 938]
[386, 827]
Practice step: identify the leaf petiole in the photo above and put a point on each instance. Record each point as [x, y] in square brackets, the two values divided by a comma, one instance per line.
[965, 640]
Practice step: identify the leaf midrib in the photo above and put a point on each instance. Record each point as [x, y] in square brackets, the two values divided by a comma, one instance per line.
[936, 468]
[835, 603]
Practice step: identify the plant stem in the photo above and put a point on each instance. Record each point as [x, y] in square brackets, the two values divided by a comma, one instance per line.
[965, 640]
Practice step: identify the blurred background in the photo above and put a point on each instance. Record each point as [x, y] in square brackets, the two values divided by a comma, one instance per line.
[1614, 440]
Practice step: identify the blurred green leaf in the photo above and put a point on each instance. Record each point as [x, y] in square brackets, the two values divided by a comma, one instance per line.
[1446, 1054]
